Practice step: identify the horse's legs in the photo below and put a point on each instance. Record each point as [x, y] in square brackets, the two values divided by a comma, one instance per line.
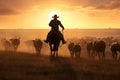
[55, 48]
[50, 50]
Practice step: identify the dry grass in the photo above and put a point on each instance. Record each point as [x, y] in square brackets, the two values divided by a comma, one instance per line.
[25, 66]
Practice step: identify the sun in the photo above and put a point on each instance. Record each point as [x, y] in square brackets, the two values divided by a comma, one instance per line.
[52, 13]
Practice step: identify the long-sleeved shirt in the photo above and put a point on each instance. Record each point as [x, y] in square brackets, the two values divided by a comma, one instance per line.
[54, 24]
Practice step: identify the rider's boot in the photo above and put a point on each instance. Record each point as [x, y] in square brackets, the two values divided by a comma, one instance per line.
[46, 41]
[63, 41]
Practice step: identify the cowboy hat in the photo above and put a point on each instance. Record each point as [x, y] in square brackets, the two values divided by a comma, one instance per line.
[55, 16]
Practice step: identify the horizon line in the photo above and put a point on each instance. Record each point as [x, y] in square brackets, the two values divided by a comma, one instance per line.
[65, 28]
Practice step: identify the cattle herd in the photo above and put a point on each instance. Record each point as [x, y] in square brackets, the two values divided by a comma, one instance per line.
[94, 47]
[10, 44]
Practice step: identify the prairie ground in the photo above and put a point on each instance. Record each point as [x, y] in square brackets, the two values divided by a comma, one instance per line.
[25, 66]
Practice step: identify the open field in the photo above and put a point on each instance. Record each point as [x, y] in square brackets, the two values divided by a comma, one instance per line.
[25, 66]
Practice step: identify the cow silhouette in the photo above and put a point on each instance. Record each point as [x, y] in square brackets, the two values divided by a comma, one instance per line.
[74, 49]
[115, 48]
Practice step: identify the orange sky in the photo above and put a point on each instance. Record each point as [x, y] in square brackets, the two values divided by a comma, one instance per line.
[27, 14]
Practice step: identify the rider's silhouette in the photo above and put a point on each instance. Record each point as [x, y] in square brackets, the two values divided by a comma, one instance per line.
[54, 24]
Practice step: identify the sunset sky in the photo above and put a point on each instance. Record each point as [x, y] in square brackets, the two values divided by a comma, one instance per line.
[82, 14]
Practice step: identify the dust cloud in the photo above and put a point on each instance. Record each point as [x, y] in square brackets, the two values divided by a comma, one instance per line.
[70, 35]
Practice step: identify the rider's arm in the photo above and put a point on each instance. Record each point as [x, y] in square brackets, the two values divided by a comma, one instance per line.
[61, 25]
[50, 24]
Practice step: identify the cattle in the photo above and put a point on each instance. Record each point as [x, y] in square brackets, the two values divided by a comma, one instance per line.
[70, 47]
[89, 48]
[10, 44]
[38, 45]
[75, 50]
[6, 44]
[34, 44]
[15, 42]
[115, 48]
[99, 48]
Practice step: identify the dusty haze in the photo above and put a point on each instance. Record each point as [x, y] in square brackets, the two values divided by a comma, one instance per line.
[30, 34]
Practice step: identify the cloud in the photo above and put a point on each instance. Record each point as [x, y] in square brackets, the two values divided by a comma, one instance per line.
[111, 4]
[8, 7]
[18, 6]
[8, 12]
[98, 4]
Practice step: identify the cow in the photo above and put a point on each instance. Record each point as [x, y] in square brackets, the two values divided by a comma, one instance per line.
[70, 48]
[75, 50]
[6, 44]
[38, 45]
[10, 44]
[89, 48]
[99, 48]
[115, 48]
[15, 42]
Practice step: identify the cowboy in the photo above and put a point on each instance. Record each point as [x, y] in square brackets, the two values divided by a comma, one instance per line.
[54, 24]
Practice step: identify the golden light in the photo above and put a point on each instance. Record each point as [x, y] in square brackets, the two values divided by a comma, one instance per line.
[52, 13]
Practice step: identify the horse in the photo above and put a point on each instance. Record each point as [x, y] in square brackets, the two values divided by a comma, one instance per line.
[54, 42]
